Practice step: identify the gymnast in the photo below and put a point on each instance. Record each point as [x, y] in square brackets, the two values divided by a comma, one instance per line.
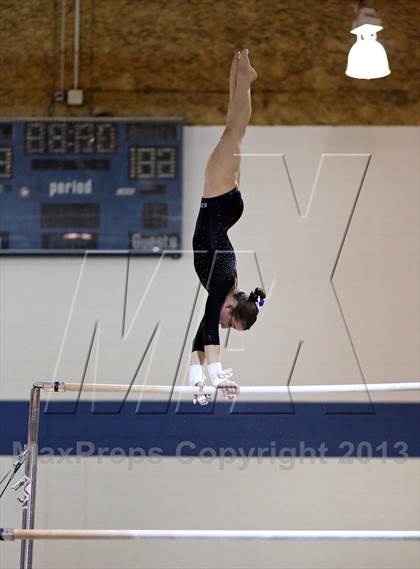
[214, 256]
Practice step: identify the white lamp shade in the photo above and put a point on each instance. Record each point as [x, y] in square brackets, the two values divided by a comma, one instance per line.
[367, 58]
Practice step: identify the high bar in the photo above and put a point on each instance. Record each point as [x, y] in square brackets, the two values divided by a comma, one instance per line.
[143, 534]
[61, 386]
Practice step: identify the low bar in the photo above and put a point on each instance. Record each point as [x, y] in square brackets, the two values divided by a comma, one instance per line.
[60, 386]
[364, 535]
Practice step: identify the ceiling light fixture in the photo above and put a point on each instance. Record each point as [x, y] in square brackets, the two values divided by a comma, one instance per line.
[367, 58]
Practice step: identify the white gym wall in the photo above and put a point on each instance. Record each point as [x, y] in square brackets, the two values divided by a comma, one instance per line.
[377, 284]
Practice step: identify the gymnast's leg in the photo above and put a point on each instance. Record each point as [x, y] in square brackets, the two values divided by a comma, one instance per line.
[222, 170]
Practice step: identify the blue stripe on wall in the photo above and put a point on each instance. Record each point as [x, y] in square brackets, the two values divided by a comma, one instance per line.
[330, 429]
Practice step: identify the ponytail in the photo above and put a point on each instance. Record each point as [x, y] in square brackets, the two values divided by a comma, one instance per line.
[257, 296]
[247, 309]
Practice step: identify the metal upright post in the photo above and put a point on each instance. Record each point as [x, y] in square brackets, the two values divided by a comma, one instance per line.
[28, 517]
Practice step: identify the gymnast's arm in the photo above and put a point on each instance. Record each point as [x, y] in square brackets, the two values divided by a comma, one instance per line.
[212, 352]
[219, 289]
[207, 337]
[206, 345]
[211, 342]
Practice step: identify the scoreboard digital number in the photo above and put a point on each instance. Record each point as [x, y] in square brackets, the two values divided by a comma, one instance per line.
[99, 184]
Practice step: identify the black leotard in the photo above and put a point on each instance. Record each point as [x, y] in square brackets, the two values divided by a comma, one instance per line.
[215, 260]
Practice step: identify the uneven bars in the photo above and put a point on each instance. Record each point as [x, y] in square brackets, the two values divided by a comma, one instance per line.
[387, 535]
[61, 386]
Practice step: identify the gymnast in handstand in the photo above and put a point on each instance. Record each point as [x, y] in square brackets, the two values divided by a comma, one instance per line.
[214, 256]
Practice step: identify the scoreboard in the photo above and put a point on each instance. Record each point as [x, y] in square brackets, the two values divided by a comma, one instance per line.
[106, 185]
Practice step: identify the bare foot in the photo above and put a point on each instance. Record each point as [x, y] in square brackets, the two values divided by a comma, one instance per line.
[245, 67]
[233, 71]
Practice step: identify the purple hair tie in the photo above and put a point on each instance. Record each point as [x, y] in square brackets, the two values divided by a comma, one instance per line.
[259, 301]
